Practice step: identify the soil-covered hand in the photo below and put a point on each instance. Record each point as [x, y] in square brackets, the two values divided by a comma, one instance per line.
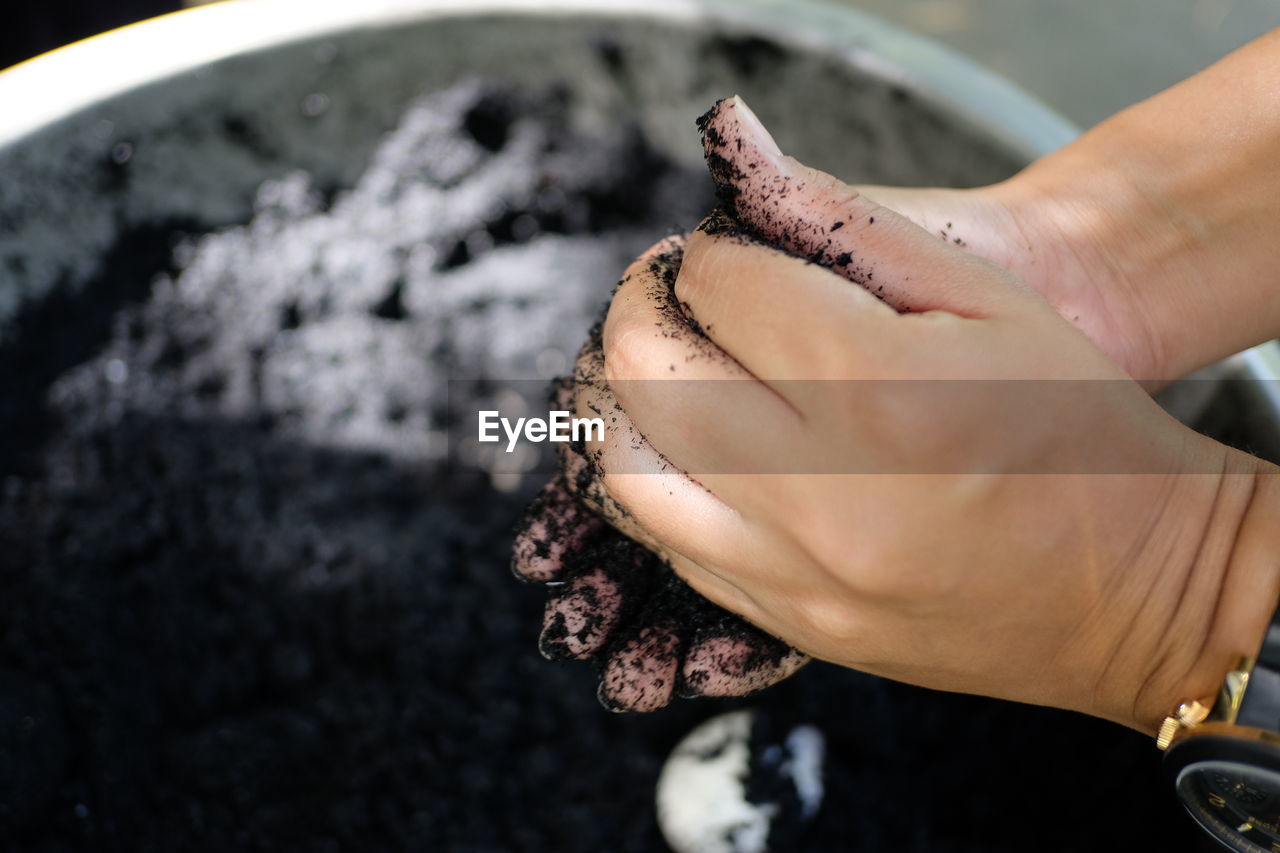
[1045, 532]
[613, 596]
[614, 600]
[1118, 232]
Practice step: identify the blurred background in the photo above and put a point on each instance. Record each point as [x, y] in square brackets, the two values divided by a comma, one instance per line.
[1087, 59]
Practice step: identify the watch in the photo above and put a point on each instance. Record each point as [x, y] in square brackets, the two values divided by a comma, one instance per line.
[1224, 757]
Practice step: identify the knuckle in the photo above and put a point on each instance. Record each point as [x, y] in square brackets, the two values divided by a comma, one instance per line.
[629, 344]
[696, 272]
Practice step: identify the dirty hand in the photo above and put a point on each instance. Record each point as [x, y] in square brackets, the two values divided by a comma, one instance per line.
[615, 601]
[1119, 231]
[1055, 539]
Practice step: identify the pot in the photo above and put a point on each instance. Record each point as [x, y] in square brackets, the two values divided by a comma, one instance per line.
[247, 601]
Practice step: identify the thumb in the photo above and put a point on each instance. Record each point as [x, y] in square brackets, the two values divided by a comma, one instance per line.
[826, 221]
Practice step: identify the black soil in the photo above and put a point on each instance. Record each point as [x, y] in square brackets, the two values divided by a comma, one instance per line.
[246, 604]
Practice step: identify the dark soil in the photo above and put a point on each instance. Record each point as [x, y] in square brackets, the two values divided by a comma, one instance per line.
[246, 604]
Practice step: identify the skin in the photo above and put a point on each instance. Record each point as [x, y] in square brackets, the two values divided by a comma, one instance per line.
[1154, 232]
[1128, 255]
[645, 657]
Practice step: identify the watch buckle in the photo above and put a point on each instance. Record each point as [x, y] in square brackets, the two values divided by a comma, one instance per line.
[1186, 716]
[1190, 714]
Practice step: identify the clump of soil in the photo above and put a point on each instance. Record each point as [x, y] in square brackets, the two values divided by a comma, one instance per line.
[247, 604]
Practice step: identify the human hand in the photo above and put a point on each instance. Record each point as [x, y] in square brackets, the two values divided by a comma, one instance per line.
[1153, 232]
[1083, 601]
[1062, 247]
[1058, 241]
[614, 600]
[1119, 245]
[611, 593]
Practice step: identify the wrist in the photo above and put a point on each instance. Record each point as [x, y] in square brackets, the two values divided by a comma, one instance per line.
[1108, 248]
[1164, 214]
[1229, 596]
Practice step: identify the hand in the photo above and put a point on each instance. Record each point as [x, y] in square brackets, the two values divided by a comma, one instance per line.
[1061, 247]
[1054, 232]
[1153, 232]
[615, 601]
[1121, 230]
[595, 613]
[1114, 595]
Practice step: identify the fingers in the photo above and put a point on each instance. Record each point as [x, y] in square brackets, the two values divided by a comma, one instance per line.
[614, 582]
[722, 667]
[777, 314]
[644, 306]
[820, 218]
[626, 460]
[620, 605]
[555, 526]
[657, 363]
[651, 635]
[732, 658]
[581, 616]
[683, 645]
[641, 673]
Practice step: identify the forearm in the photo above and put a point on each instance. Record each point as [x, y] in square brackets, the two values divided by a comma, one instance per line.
[1177, 200]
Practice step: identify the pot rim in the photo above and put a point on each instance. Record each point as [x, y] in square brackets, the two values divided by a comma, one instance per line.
[42, 90]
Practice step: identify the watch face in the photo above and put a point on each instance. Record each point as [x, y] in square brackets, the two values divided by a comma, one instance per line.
[1239, 804]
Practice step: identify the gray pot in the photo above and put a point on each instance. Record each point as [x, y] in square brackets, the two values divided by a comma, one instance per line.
[284, 660]
[203, 106]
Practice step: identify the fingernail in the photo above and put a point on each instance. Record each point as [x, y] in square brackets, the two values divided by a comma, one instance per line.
[737, 148]
[753, 128]
[608, 702]
[554, 642]
[554, 651]
[552, 648]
